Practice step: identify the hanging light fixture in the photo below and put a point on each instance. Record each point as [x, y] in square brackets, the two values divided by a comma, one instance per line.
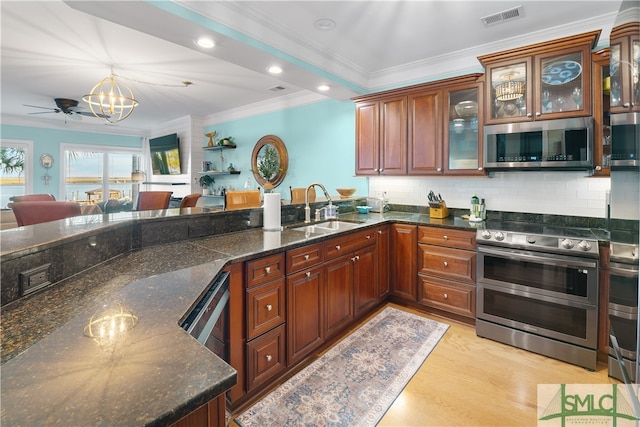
[111, 100]
[509, 90]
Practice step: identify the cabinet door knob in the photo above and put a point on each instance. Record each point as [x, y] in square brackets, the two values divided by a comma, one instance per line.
[267, 270]
[368, 237]
[446, 264]
[376, 170]
[268, 357]
[338, 247]
[626, 105]
[598, 168]
[379, 231]
[480, 168]
[381, 170]
[537, 114]
[308, 273]
[306, 256]
[445, 237]
[353, 259]
[445, 296]
[269, 307]
[439, 169]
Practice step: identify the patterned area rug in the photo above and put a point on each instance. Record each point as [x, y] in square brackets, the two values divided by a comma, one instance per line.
[357, 380]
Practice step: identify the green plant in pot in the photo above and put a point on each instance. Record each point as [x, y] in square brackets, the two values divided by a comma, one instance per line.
[206, 182]
[268, 166]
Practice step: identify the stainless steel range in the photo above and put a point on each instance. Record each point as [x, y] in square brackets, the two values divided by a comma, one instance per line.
[623, 305]
[538, 289]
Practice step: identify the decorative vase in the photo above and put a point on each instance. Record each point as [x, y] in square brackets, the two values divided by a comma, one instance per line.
[268, 187]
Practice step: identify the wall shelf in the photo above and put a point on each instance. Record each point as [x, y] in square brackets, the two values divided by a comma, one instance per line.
[219, 147]
[163, 183]
[217, 173]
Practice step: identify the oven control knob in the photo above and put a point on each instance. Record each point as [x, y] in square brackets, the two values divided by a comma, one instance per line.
[567, 243]
[499, 235]
[531, 239]
[486, 234]
[584, 245]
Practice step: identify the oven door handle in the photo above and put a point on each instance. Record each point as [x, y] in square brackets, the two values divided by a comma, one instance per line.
[624, 272]
[521, 256]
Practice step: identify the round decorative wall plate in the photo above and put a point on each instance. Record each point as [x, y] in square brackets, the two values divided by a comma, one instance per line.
[561, 72]
[46, 161]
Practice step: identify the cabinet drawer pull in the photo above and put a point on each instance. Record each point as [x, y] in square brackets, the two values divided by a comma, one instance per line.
[308, 273]
[445, 296]
[379, 231]
[267, 270]
[269, 307]
[337, 247]
[446, 264]
[268, 357]
[368, 237]
[306, 256]
[445, 237]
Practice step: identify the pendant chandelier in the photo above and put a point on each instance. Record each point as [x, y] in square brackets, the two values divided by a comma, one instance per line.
[111, 100]
[509, 90]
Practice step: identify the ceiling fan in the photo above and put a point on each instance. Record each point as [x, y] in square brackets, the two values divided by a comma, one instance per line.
[68, 107]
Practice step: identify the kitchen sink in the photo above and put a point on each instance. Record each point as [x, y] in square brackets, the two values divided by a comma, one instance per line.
[326, 227]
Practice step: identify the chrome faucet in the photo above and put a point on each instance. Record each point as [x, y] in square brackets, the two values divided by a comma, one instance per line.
[307, 209]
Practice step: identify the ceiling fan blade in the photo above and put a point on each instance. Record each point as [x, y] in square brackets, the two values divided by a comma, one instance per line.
[45, 112]
[89, 114]
[44, 108]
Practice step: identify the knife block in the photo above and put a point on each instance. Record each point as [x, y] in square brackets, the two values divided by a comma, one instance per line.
[441, 212]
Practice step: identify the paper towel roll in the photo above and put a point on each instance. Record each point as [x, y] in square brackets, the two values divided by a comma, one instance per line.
[272, 239]
[271, 214]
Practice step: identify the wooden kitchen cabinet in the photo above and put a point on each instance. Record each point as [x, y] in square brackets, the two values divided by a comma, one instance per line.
[211, 414]
[305, 312]
[601, 115]
[624, 64]
[548, 80]
[447, 270]
[382, 259]
[381, 136]
[338, 294]
[265, 313]
[366, 279]
[400, 132]
[404, 239]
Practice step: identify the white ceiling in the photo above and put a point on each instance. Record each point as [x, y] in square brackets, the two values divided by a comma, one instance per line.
[53, 49]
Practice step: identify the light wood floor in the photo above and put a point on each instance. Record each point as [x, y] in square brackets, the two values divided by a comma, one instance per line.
[471, 381]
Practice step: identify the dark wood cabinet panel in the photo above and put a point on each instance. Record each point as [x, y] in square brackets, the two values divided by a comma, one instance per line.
[305, 312]
[265, 357]
[425, 133]
[404, 242]
[304, 257]
[446, 295]
[367, 138]
[393, 138]
[265, 269]
[447, 237]
[265, 308]
[365, 279]
[455, 264]
[338, 275]
[382, 249]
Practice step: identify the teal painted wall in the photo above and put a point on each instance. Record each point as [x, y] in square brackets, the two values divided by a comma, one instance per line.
[49, 140]
[320, 141]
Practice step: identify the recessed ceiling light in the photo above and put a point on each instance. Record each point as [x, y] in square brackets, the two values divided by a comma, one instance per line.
[324, 88]
[324, 24]
[205, 42]
[275, 69]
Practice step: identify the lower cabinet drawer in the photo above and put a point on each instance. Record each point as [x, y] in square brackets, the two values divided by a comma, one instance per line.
[265, 307]
[448, 296]
[454, 264]
[265, 357]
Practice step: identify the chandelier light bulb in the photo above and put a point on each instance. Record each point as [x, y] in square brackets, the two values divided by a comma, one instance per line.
[111, 100]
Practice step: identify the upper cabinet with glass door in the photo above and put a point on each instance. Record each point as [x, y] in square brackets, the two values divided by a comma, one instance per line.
[549, 80]
[624, 68]
[463, 130]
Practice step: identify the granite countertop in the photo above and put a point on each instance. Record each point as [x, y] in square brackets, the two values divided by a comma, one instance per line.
[52, 374]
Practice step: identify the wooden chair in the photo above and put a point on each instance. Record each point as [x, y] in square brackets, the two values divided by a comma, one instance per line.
[153, 200]
[298, 195]
[242, 200]
[36, 212]
[190, 200]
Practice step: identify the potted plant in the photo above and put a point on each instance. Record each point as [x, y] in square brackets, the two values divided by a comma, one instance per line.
[268, 166]
[206, 182]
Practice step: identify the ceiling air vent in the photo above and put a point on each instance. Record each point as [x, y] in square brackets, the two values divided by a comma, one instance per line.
[503, 16]
[277, 88]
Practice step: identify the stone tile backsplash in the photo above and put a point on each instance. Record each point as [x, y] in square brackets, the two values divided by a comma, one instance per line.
[559, 193]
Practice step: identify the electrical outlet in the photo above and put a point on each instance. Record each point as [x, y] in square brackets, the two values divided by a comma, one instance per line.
[34, 279]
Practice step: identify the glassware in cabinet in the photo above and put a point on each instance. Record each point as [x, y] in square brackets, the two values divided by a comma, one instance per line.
[463, 132]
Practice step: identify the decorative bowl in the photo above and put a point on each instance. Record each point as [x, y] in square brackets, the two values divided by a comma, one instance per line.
[363, 209]
[466, 109]
[346, 192]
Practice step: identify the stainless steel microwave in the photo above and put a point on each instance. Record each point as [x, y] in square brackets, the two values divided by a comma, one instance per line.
[625, 140]
[547, 144]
